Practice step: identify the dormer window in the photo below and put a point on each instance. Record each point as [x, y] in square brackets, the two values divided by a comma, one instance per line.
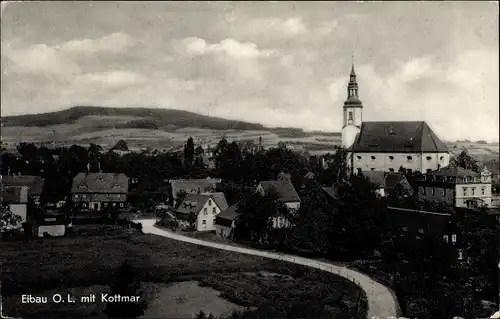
[409, 158]
[391, 157]
[209, 202]
[373, 157]
[350, 116]
[428, 158]
[359, 157]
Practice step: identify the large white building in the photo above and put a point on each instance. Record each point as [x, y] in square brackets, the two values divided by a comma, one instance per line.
[387, 146]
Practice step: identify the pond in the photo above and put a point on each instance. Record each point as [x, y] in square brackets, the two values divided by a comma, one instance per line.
[185, 300]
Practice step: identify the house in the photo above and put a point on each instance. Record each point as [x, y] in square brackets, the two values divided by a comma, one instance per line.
[388, 182]
[200, 211]
[97, 191]
[286, 194]
[456, 187]
[225, 221]
[493, 167]
[52, 225]
[193, 186]
[387, 146]
[15, 199]
[34, 183]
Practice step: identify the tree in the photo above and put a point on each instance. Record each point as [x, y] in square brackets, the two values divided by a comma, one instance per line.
[8, 218]
[189, 154]
[466, 161]
[121, 145]
[126, 283]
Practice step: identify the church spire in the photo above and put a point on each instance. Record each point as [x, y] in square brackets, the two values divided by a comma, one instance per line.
[352, 88]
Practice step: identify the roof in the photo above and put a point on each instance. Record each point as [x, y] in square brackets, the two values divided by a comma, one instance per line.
[453, 171]
[220, 200]
[376, 177]
[190, 185]
[330, 191]
[100, 183]
[398, 137]
[493, 166]
[284, 188]
[394, 178]
[230, 213]
[192, 203]
[14, 194]
[34, 183]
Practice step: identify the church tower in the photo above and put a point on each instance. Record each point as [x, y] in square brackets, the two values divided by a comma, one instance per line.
[352, 112]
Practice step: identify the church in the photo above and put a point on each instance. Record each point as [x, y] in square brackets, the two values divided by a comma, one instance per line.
[387, 146]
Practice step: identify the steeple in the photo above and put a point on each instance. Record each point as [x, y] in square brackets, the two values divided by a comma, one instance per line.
[352, 91]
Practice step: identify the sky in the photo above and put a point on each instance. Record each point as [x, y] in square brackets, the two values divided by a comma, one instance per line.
[278, 64]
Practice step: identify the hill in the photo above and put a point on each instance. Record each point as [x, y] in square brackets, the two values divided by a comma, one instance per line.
[146, 118]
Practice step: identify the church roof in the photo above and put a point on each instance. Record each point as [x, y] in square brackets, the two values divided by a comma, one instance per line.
[397, 137]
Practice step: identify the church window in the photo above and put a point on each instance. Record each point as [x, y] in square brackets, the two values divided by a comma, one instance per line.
[429, 158]
[359, 157]
[473, 189]
[391, 157]
[350, 116]
[409, 158]
[373, 157]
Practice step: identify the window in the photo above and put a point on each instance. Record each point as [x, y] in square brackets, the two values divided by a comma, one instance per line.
[214, 211]
[433, 191]
[205, 212]
[84, 205]
[423, 190]
[121, 204]
[445, 238]
[105, 204]
[460, 254]
[453, 238]
[391, 169]
[76, 204]
[204, 222]
[373, 157]
[372, 169]
[441, 158]
[209, 202]
[482, 191]
[118, 195]
[428, 158]
[359, 157]
[465, 191]
[391, 157]
[76, 195]
[114, 204]
[409, 158]
[443, 192]
[350, 116]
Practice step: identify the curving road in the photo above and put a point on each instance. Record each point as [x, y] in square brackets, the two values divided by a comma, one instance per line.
[381, 302]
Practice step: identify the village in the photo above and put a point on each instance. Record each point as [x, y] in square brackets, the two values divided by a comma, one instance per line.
[390, 199]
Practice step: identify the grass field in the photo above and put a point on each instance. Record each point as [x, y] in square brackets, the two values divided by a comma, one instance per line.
[87, 263]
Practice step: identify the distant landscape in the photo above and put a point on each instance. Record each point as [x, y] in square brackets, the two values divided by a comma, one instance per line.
[145, 128]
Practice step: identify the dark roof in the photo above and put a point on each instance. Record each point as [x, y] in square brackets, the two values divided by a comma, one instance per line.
[34, 183]
[284, 188]
[493, 166]
[376, 177]
[330, 191]
[100, 183]
[190, 185]
[394, 178]
[454, 171]
[14, 194]
[397, 137]
[220, 200]
[192, 203]
[231, 213]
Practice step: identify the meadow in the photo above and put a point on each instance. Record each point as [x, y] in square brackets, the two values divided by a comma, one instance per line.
[87, 262]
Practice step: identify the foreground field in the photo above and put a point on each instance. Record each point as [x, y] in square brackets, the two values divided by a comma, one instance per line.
[86, 264]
